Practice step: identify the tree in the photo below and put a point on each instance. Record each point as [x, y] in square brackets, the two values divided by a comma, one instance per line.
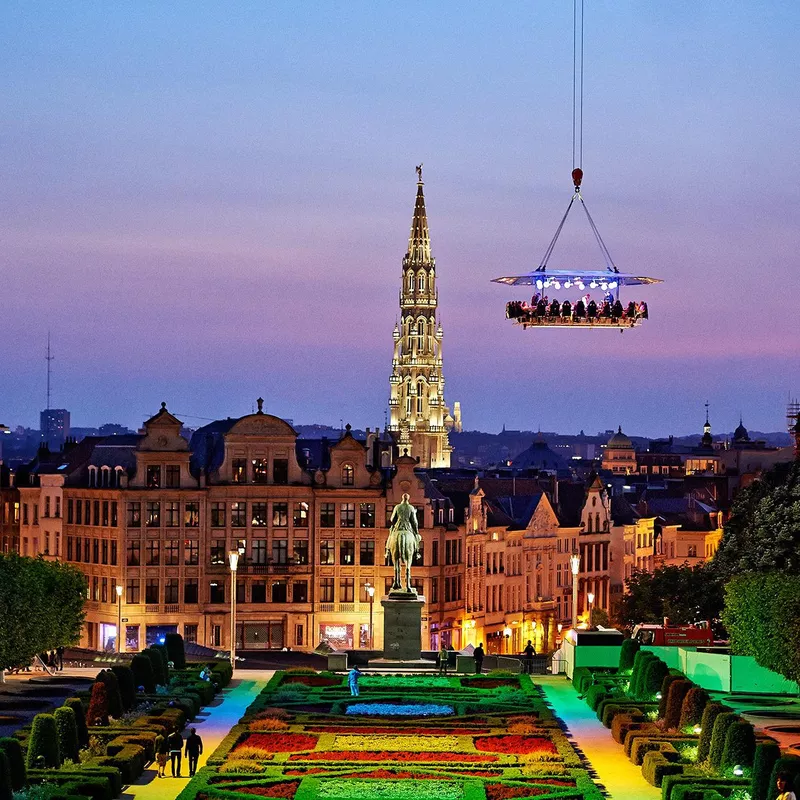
[41, 607]
[685, 594]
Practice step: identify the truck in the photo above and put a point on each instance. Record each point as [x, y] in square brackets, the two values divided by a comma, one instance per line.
[669, 635]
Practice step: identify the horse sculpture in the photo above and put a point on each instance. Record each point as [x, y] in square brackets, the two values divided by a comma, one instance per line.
[403, 542]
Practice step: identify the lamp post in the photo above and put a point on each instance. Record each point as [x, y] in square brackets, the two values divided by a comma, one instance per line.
[507, 636]
[575, 565]
[590, 598]
[118, 589]
[233, 560]
[370, 589]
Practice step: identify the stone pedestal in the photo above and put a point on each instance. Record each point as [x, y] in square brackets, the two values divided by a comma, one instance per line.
[402, 627]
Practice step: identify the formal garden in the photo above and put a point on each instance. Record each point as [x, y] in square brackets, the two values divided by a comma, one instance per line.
[421, 737]
[102, 738]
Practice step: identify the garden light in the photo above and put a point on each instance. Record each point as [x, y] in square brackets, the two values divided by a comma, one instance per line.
[738, 771]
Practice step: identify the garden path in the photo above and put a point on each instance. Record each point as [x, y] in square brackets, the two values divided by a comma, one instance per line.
[621, 779]
[212, 726]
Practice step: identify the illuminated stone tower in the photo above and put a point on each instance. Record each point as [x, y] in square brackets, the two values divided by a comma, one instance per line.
[418, 414]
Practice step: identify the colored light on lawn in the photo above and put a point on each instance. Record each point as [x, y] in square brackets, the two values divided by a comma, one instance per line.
[406, 710]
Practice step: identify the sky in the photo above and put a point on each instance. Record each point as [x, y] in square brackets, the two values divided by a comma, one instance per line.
[209, 202]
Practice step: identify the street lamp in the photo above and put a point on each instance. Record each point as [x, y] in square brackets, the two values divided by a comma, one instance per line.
[370, 589]
[233, 560]
[118, 589]
[590, 598]
[507, 635]
[575, 565]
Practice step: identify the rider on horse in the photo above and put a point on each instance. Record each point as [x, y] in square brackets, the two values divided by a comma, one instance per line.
[403, 542]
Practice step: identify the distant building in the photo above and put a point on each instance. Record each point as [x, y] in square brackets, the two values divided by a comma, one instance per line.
[54, 427]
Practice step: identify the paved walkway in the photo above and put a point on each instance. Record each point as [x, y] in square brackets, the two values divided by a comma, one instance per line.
[213, 724]
[622, 779]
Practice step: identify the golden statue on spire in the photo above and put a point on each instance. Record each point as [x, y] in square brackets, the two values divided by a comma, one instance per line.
[419, 172]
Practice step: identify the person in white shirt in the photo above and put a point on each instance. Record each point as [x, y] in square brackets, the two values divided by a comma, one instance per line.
[784, 792]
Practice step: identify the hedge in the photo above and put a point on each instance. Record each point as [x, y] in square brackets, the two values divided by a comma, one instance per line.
[98, 705]
[637, 674]
[677, 692]
[669, 679]
[642, 745]
[6, 790]
[699, 782]
[78, 782]
[115, 704]
[157, 661]
[654, 673]
[67, 730]
[595, 695]
[617, 705]
[43, 742]
[659, 763]
[628, 651]
[624, 723]
[693, 706]
[740, 745]
[16, 760]
[767, 753]
[143, 674]
[718, 737]
[175, 650]
[582, 679]
[76, 704]
[127, 685]
[710, 713]
[161, 649]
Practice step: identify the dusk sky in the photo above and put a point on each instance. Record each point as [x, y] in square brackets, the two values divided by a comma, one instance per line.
[208, 202]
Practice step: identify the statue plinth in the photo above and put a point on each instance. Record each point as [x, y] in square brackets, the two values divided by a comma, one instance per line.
[402, 626]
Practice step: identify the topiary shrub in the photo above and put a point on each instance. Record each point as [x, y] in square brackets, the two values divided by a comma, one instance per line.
[76, 704]
[718, 737]
[67, 730]
[98, 705]
[142, 668]
[677, 692]
[127, 685]
[175, 650]
[158, 665]
[637, 673]
[628, 651]
[221, 673]
[16, 761]
[115, 707]
[6, 790]
[665, 684]
[595, 694]
[767, 753]
[661, 762]
[43, 742]
[581, 679]
[692, 709]
[710, 714]
[161, 649]
[740, 746]
[654, 673]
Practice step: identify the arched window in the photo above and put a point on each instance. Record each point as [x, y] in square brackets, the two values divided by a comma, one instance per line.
[92, 476]
[420, 395]
[421, 282]
[420, 334]
[589, 523]
[410, 281]
[348, 475]
[597, 522]
[118, 476]
[105, 476]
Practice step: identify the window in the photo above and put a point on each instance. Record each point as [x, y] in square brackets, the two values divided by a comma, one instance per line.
[280, 471]
[326, 552]
[217, 552]
[366, 555]
[114, 514]
[190, 591]
[69, 548]
[279, 592]
[104, 590]
[216, 592]
[172, 513]
[239, 515]
[153, 554]
[86, 548]
[70, 513]
[134, 514]
[280, 515]
[190, 634]
[153, 480]
[191, 553]
[300, 551]
[259, 551]
[346, 590]
[95, 551]
[173, 476]
[171, 590]
[25, 512]
[132, 590]
[258, 592]
[348, 515]
[151, 588]
[692, 553]
[389, 511]
[47, 506]
[113, 554]
[191, 515]
[58, 507]
[434, 590]
[104, 552]
[366, 517]
[153, 514]
[259, 518]
[172, 555]
[218, 515]
[327, 515]
[239, 470]
[300, 515]
[260, 474]
[435, 555]
[300, 592]
[134, 553]
[347, 551]
[348, 475]
[280, 551]
[105, 513]
[326, 590]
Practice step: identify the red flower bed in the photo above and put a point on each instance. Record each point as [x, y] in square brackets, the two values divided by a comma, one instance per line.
[488, 683]
[366, 755]
[386, 774]
[279, 742]
[311, 680]
[359, 729]
[287, 789]
[515, 745]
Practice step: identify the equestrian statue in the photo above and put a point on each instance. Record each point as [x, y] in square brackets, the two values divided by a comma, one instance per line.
[403, 543]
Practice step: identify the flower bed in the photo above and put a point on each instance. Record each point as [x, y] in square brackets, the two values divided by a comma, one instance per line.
[518, 745]
[279, 742]
[390, 755]
[399, 710]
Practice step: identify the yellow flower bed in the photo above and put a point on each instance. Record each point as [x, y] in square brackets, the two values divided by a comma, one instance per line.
[409, 744]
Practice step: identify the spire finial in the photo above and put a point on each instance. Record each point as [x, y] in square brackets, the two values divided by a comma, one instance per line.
[419, 240]
[419, 173]
[260, 403]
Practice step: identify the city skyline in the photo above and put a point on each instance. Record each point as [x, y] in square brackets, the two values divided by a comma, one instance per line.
[206, 208]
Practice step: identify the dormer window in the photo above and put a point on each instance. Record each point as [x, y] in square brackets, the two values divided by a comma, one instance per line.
[239, 470]
[118, 472]
[173, 476]
[153, 476]
[92, 476]
[348, 475]
[260, 470]
[105, 476]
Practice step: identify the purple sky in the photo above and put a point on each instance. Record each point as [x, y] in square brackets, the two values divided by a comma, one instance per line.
[211, 202]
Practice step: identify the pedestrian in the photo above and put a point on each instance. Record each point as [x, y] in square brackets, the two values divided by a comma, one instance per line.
[352, 679]
[160, 747]
[60, 654]
[478, 655]
[194, 747]
[175, 745]
[443, 656]
[530, 652]
[784, 783]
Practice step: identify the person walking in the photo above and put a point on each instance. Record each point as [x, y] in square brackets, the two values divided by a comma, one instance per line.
[194, 747]
[530, 652]
[175, 745]
[478, 655]
[60, 655]
[352, 680]
[443, 656]
[160, 747]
